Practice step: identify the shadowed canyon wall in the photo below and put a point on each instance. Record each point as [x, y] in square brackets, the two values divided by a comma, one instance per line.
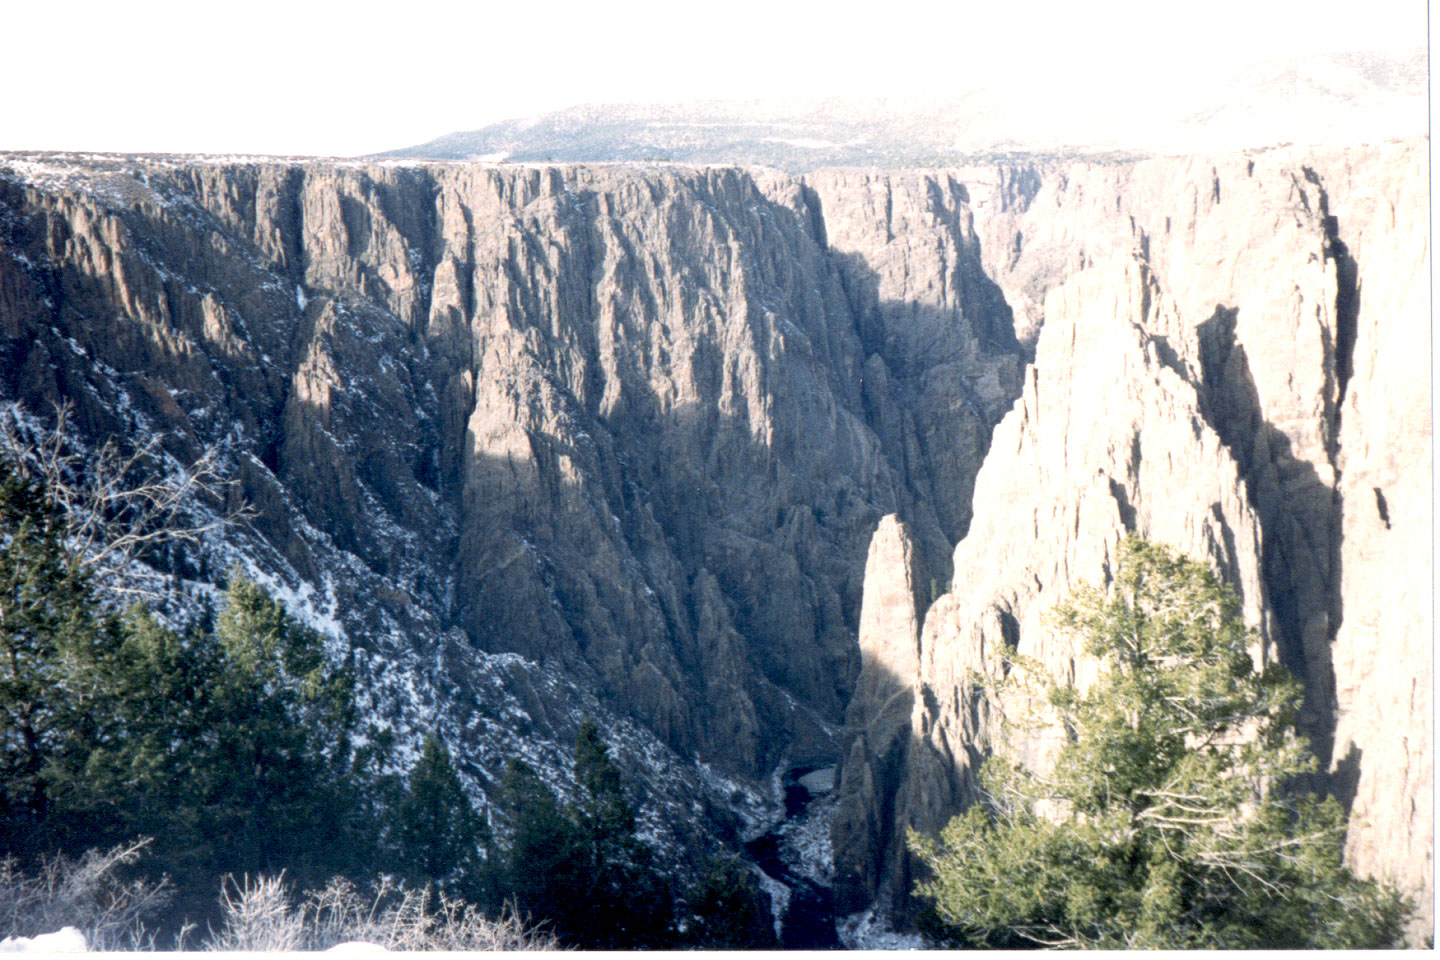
[1217, 352]
[615, 439]
[634, 425]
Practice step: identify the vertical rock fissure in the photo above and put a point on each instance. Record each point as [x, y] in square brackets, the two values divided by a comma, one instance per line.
[1347, 295]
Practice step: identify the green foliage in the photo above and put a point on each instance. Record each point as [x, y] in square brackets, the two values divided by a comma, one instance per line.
[630, 902]
[729, 911]
[545, 861]
[281, 790]
[581, 868]
[231, 747]
[1171, 818]
[46, 621]
[437, 833]
[232, 744]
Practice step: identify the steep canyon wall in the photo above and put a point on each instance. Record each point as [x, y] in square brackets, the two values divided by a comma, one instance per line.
[552, 440]
[632, 425]
[1217, 352]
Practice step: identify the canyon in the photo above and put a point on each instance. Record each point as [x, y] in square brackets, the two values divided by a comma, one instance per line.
[761, 469]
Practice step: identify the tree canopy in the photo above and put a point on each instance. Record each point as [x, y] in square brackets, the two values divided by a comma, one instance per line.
[1175, 815]
[234, 742]
[581, 867]
[437, 832]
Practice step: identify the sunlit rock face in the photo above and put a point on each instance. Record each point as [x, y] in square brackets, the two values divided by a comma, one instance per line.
[554, 441]
[629, 429]
[868, 850]
[1217, 356]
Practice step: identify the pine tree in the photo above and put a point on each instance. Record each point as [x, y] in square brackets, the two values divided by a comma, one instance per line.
[47, 614]
[230, 743]
[545, 862]
[632, 904]
[437, 833]
[231, 747]
[581, 868]
[1175, 816]
[283, 793]
[136, 725]
[602, 811]
[729, 912]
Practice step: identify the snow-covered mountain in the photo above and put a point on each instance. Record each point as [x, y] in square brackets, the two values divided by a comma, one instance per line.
[1333, 99]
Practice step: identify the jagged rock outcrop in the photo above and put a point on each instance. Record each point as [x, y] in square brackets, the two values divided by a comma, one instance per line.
[938, 331]
[1197, 327]
[878, 718]
[1108, 437]
[546, 441]
[623, 422]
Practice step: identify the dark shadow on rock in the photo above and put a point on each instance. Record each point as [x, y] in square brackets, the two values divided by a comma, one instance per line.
[1345, 780]
[708, 587]
[1300, 516]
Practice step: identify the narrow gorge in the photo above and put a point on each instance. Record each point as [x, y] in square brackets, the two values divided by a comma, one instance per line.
[759, 468]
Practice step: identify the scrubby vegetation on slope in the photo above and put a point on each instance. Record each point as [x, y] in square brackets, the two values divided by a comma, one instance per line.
[1174, 816]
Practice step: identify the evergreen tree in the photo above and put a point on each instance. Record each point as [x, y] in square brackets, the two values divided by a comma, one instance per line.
[282, 793]
[47, 614]
[581, 868]
[136, 728]
[230, 743]
[231, 747]
[1174, 816]
[729, 912]
[437, 833]
[631, 902]
[545, 863]
[603, 813]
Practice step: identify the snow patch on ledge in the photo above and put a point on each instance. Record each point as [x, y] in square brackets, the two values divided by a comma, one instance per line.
[867, 931]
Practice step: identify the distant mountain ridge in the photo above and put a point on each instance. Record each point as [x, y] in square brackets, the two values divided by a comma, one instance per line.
[1330, 99]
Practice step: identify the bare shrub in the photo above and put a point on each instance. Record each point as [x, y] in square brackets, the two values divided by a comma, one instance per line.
[258, 915]
[86, 894]
[113, 506]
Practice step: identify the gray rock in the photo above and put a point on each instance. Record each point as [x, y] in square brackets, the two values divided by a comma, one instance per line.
[868, 848]
[552, 441]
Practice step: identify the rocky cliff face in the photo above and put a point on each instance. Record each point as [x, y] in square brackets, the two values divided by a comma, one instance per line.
[1383, 746]
[866, 844]
[1208, 336]
[633, 426]
[553, 441]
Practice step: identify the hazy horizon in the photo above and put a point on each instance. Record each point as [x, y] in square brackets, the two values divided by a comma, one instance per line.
[325, 80]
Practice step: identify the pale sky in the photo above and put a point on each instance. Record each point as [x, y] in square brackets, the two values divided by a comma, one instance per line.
[341, 79]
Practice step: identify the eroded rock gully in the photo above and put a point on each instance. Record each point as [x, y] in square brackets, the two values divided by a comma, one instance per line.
[555, 440]
[1219, 345]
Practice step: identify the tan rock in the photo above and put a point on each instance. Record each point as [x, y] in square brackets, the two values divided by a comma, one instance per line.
[864, 834]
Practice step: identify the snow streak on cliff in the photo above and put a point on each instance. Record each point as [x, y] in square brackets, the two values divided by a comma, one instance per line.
[554, 441]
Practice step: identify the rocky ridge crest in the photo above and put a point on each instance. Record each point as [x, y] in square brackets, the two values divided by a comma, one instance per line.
[552, 441]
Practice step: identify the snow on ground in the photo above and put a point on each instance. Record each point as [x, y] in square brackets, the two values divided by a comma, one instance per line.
[357, 946]
[64, 940]
[779, 898]
[806, 841]
[867, 931]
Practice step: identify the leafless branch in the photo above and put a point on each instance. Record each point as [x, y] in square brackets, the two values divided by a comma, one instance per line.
[112, 506]
[85, 894]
